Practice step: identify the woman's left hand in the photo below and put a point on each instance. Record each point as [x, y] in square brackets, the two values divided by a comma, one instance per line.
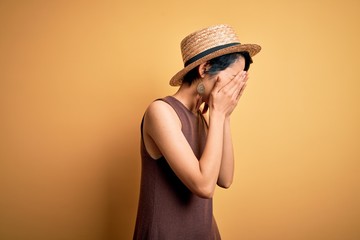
[238, 89]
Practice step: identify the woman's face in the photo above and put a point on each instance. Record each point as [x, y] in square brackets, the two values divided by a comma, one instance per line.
[224, 76]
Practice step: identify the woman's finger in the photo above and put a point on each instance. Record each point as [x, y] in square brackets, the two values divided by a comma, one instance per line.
[235, 82]
[241, 91]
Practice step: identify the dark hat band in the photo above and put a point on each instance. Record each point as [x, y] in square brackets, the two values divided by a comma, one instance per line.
[207, 52]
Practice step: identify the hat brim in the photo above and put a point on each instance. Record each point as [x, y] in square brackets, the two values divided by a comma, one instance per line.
[252, 49]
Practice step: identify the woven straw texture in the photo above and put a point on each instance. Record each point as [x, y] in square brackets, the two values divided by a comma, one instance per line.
[206, 39]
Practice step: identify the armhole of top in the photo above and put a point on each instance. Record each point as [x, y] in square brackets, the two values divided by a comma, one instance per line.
[142, 127]
[142, 122]
[172, 107]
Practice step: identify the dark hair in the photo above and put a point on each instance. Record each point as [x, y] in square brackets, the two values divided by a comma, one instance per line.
[218, 64]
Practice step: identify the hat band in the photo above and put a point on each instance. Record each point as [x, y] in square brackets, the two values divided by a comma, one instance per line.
[207, 52]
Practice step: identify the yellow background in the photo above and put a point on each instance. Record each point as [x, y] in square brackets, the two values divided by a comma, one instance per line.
[76, 77]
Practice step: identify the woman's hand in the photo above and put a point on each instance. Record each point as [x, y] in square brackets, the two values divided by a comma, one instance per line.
[224, 98]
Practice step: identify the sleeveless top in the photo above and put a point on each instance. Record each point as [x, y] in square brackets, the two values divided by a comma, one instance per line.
[167, 209]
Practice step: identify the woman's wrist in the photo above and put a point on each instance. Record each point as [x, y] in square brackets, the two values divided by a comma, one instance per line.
[217, 116]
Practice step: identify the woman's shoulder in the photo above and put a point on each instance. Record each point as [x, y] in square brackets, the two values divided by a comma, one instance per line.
[159, 106]
[160, 111]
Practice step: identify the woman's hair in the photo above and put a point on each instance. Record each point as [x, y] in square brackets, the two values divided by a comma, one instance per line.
[218, 64]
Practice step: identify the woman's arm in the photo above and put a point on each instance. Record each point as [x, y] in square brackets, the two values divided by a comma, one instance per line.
[200, 176]
[226, 173]
[162, 126]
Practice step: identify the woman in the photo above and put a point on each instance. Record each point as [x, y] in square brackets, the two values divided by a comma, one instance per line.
[184, 155]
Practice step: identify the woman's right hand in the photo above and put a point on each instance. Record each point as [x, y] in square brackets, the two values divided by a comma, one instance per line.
[224, 98]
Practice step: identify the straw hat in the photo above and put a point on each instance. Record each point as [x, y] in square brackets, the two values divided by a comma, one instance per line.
[208, 43]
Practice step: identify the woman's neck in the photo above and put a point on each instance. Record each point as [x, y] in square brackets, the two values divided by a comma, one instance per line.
[188, 96]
